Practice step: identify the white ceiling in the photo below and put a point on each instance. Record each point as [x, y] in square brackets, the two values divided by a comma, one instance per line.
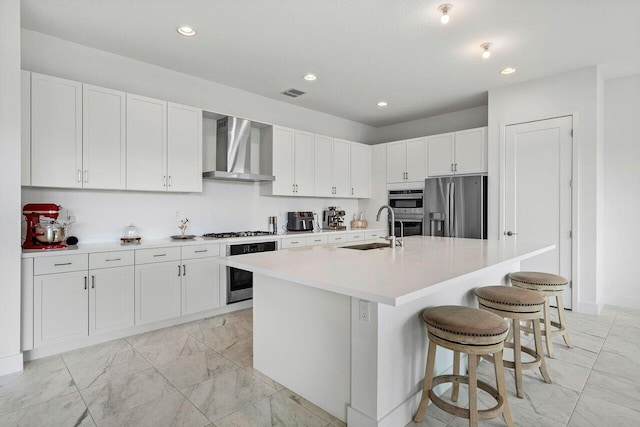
[363, 51]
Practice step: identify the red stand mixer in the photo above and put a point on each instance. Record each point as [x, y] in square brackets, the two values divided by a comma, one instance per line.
[45, 235]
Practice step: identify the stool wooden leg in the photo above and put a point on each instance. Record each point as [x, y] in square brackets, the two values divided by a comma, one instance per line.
[540, 351]
[547, 328]
[502, 388]
[428, 383]
[562, 320]
[456, 371]
[473, 390]
[517, 357]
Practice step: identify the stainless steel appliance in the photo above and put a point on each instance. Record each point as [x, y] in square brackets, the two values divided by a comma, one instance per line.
[273, 225]
[333, 219]
[233, 152]
[240, 282]
[300, 221]
[456, 206]
[408, 207]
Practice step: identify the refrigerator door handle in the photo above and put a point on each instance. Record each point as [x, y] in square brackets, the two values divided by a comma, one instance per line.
[452, 210]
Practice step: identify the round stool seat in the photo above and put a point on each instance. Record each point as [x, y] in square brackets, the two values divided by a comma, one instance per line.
[465, 325]
[538, 281]
[511, 299]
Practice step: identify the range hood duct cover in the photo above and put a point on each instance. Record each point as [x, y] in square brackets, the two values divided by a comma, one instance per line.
[233, 152]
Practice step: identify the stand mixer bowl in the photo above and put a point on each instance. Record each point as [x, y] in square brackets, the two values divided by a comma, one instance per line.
[51, 233]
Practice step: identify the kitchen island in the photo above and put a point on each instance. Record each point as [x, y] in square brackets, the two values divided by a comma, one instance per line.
[341, 327]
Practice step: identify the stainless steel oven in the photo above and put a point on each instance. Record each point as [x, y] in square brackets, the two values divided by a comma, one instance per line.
[408, 208]
[240, 282]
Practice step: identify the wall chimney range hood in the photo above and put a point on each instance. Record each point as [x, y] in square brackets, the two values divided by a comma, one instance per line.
[233, 152]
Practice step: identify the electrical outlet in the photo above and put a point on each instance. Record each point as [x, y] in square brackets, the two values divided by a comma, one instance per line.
[364, 310]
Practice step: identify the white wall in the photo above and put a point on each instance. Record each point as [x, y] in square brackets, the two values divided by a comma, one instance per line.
[570, 93]
[443, 123]
[622, 191]
[10, 212]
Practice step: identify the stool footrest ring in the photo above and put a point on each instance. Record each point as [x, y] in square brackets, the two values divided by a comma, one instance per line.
[483, 414]
[558, 328]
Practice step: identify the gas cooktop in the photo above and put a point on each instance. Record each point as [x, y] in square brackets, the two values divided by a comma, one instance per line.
[230, 234]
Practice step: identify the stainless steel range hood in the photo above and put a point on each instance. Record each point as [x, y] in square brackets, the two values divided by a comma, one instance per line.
[233, 152]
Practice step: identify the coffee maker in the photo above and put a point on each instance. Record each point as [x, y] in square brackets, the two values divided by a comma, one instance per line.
[333, 219]
[47, 234]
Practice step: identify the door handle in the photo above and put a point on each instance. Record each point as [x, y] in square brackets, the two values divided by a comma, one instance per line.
[93, 282]
[164, 180]
[169, 180]
[86, 176]
[179, 274]
[85, 283]
[510, 233]
[79, 175]
[184, 270]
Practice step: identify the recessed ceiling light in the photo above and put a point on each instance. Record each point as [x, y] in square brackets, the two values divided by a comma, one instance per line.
[310, 77]
[508, 70]
[187, 31]
[382, 104]
[486, 53]
[445, 8]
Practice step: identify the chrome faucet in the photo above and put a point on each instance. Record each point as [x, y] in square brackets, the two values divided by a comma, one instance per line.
[392, 237]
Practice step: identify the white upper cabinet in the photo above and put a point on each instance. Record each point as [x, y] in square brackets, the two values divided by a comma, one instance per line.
[323, 166]
[303, 163]
[406, 160]
[56, 132]
[341, 165]
[184, 148]
[279, 161]
[25, 128]
[146, 143]
[103, 138]
[360, 170]
[462, 152]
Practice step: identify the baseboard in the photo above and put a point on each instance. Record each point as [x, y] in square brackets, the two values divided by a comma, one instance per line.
[589, 308]
[11, 364]
[623, 301]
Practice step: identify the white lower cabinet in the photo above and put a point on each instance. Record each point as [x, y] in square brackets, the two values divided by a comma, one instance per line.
[157, 291]
[111, 299]
[200, 285]
[61, 307]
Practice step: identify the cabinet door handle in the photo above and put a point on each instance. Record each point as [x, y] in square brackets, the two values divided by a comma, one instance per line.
[352, 191]
[85, 283]
[86, 176]
[164, 180]
[294, 243]
[113, 259]
[179, 274]
[184, 270]
[455, 167]
[200, 251]
[79, 175]
[293, 188]
[93, 282]
[62, 263]
[156, 255]
[169, 180]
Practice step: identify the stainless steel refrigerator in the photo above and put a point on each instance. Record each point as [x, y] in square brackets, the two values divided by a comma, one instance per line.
[456, 206]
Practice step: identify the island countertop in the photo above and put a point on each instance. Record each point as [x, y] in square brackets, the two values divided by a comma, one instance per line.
[424, 265]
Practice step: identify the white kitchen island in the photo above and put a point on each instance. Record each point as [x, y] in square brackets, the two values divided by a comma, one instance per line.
[341, 327]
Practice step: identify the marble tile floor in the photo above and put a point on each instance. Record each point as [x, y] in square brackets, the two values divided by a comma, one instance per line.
[200, 374]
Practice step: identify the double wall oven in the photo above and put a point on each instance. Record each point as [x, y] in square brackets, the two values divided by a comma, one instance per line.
[408, 208]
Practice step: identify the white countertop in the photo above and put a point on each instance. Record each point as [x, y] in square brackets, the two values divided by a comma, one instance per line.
[424, 265]
[84, 248]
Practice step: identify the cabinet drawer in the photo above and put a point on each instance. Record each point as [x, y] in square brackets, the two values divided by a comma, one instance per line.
[337, 238]
[373, 234]
[316, 240]
[60, 264]
[110, 259]
[356, 236]
[200, 251]
[147, 256]
[294, 243]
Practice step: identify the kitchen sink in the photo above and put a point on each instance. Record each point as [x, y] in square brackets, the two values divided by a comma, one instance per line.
[368, 246]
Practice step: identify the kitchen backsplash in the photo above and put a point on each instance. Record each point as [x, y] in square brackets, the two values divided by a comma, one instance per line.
[222, 206]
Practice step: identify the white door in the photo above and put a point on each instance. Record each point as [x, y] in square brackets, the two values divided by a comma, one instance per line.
[56, 132]
[103, 138]
[184, 148]
[341, 165]
[323, 164]
[282, 161]
[360, 170]
[146, 143]
[157, 294]
[416, 159]
[303, 163]
[538, 192]
[396, 161]
[25, 128]
[470, 149]
[111, 296]
[60, 307]
[200, 285]
[440, 157]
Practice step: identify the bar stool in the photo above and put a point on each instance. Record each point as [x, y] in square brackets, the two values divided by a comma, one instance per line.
[474, 332]
[517, 304]
[548, 285]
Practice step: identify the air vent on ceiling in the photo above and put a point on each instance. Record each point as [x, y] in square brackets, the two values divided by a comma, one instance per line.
[294, 93]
